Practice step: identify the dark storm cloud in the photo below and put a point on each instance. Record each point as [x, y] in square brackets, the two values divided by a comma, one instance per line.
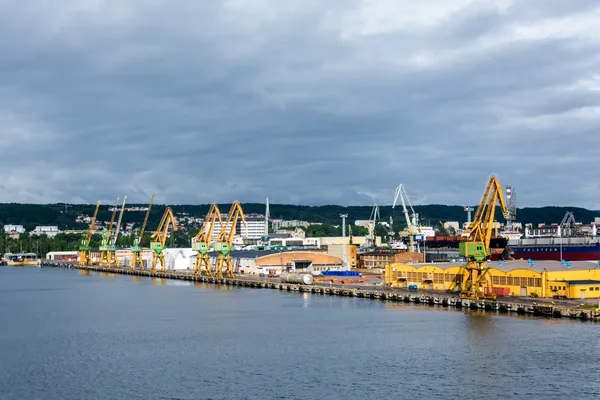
[299, 101]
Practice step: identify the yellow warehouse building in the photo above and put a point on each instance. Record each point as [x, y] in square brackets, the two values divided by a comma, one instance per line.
[579, 280]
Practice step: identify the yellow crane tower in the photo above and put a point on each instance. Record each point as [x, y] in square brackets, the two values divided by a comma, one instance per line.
[476, 247]
[201, 242]
[159, 238]
[104, 260]
[224, 242]
[136, 249]
[85, 258]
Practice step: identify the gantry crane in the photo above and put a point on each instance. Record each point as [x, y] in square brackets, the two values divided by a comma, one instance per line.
[159, 238]
[112, 244]
[85, 258]
[106, 235]
[136, 248]
[476, 246]
[201, 242]
[411, 223]
[224, 242]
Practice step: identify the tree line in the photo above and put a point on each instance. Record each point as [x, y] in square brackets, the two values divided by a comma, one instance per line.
[42, 244]
[64, 215]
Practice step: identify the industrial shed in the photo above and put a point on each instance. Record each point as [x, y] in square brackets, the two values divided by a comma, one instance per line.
[544, 278]
[299, 261]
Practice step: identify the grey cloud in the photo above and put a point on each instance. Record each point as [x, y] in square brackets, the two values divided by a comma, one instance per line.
[301, 102]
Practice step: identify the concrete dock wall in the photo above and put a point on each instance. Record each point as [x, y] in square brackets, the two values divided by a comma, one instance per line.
[382, 294]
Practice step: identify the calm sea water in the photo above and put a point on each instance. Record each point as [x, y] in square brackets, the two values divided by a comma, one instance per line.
[66, 335]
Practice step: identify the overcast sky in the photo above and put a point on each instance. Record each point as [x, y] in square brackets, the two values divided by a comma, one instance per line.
[302, 101]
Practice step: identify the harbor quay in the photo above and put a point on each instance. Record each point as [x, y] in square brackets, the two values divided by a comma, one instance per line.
[513, 306]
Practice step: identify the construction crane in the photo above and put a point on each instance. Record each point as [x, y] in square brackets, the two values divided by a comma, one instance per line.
[411, 223]
[224, 242]
[568, 225]
[106, 235]
[201, 242]
[85, 258]
[159, 238]
[372, 223]
[112, 244]
[476, 246]
[136, 248]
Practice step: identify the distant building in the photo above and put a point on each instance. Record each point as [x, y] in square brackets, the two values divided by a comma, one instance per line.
[14, 229]
[281, 223]
[381, 258]
[254, 229]
[362, 222]
[49, 231]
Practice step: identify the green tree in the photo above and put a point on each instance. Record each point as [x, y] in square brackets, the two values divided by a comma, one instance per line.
[380, 230]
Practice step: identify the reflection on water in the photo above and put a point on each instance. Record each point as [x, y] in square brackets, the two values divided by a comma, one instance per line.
[85, 272]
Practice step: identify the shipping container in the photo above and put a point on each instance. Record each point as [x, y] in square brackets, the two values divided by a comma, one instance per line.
[341, 273]
[498, 291]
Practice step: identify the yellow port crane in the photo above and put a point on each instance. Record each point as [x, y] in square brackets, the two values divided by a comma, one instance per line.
[159, 238]
[85, 258]
[476, 247]
[136, 248]
[224, 242]
[106, 235]
[201, 242]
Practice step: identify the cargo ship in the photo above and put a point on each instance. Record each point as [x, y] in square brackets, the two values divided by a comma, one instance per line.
[575, 249]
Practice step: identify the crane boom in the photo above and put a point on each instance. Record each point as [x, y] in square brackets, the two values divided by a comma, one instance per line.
[118, 229]
[159, 238]
[201, 242]
[410, 223]
[112, 245]
[224, 242]
[476, 246]
[104, 254]
[84, 249]
[145, 219]
[136, 249]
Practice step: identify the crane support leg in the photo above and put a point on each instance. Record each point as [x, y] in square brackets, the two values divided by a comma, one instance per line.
[104, 258]
[112, 259]
[158, 258]
[202, 260]
[136, 261]
[229, 269]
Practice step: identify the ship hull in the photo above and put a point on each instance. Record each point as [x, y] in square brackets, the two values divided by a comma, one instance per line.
[554, 252]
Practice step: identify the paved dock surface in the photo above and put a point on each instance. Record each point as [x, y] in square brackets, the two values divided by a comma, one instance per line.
[520, 305]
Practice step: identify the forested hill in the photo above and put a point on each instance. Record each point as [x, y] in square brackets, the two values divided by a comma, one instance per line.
[64, 216]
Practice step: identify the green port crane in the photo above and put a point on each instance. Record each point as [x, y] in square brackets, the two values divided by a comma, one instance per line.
[85, 258]
[476, 246]
[106, 235]
[201, 242]
[159, 238]
[136, 248]
[224, 241]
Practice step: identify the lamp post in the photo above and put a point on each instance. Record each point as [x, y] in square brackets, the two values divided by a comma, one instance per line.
[344, 262]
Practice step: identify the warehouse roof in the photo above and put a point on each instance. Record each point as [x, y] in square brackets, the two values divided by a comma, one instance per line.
[580, 282]
[540, 266]
[247, 253]
[547, 265]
